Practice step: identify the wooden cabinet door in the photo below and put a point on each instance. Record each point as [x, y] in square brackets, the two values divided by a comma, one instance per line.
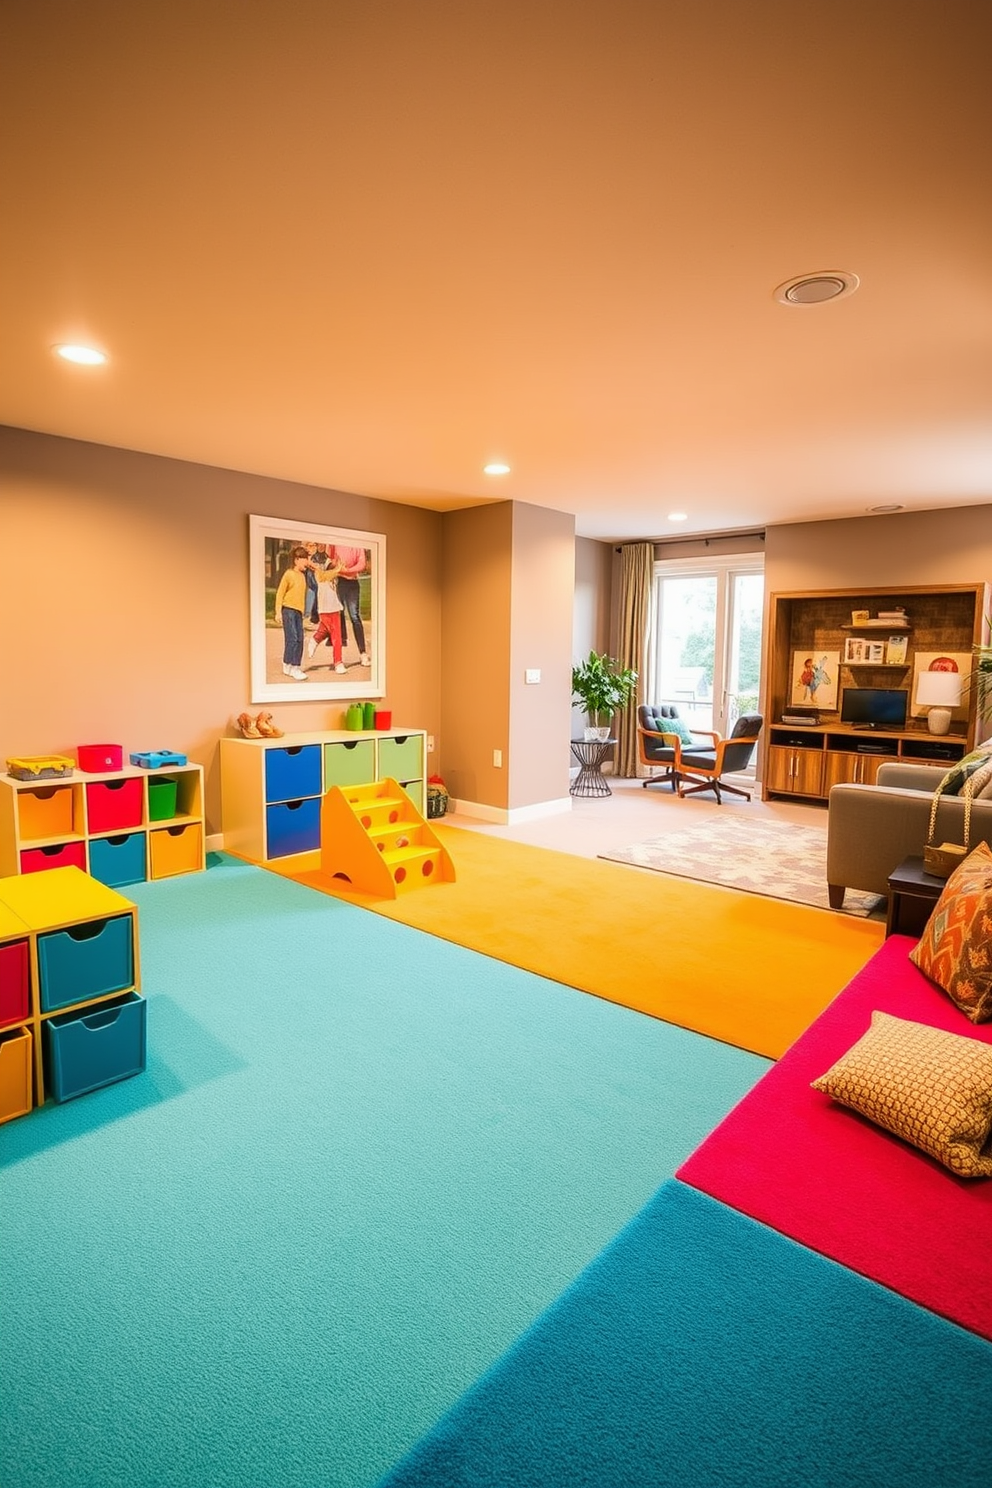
[844, 768]
[797, 772]
[779, 768]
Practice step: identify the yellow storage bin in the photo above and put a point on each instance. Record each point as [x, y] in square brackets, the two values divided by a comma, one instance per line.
[15, 1073]
[45, 812]
[175, 850]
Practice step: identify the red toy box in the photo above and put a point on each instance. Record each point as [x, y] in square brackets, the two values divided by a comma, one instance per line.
[94, 758]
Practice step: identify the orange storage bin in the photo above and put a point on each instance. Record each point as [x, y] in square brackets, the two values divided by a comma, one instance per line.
[45, 812]
[15, 1073]
[175, 850]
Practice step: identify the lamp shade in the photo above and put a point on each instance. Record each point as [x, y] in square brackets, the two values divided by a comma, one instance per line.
[938, 689]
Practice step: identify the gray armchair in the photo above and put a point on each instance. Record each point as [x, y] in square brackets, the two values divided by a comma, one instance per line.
[703, 768]
[660, 733]
[872, 828]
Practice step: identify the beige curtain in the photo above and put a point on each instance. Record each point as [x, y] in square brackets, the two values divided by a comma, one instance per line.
[634, 615]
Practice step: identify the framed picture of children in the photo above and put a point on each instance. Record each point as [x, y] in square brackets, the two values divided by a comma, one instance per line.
[317, 597]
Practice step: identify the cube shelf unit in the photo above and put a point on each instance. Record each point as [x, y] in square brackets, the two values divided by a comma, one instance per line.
[271, 789]
[71, 1015]
[120, 826]
[805, 760]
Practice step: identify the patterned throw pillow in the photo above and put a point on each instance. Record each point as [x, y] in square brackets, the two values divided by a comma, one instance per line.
[955, 949]
[933, 1089]
[676, 726]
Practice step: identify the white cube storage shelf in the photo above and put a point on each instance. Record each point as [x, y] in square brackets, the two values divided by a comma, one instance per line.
[271, 789]
[71, 1015]
[110, 824]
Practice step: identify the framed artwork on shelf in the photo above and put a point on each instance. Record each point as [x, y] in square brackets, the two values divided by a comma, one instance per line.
[875, 651]
[860, 617]
[814, 679]
[896, 650]
[854, 651]
[317, 600]
[942, 661]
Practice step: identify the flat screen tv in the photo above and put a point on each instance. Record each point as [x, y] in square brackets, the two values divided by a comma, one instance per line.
[874, 707]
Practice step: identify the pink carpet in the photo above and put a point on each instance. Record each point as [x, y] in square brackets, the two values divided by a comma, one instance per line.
[817, 1172]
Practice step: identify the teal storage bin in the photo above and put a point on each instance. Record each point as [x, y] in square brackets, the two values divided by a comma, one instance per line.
[116, 861]
[92, 959]
[86, 1050]
[162, 799]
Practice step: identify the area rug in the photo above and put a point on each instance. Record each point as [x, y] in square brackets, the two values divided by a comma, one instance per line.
[360, 1163]
[778, 859]
[749, 970]
[791, 1157]
[703, 1349]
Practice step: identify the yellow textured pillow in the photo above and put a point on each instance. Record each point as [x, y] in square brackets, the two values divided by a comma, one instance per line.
[955, 949]
[933, 1089]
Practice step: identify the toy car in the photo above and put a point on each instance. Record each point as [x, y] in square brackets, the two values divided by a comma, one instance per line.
[155, 759]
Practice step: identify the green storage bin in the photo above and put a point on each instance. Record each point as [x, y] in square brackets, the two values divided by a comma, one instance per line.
[162, 799]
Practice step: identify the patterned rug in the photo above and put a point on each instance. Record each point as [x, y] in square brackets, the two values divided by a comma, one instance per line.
[777, 859]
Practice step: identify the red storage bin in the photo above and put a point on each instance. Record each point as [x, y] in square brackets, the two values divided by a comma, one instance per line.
[62, 855]
[13, 981]
[95, 758]
[112, 805]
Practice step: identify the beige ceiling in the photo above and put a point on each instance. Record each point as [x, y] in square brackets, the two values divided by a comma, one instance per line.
[370, 244]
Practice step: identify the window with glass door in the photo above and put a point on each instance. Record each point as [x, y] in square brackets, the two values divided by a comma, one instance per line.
[706, 648]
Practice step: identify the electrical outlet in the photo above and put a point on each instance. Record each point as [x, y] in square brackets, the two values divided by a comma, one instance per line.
[430, 743]
[498, 758]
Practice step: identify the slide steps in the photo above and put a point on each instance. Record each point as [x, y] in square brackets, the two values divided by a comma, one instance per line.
[374, 838]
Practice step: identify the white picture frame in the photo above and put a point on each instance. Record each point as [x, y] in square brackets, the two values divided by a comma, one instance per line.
[271, 541]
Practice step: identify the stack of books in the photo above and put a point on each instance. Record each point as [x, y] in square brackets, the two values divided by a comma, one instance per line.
[892, 617]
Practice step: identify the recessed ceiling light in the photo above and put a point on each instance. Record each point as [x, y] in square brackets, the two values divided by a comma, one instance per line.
[83, 356]
[496, 467]
[678, 516]
[878, 510]
[818, 288]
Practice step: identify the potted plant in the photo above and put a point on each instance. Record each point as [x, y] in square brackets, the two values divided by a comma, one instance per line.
[601, 686]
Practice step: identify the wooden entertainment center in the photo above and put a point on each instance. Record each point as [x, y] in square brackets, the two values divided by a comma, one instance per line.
[806, 759]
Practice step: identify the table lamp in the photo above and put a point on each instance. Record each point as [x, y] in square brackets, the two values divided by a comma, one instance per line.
[940, 692]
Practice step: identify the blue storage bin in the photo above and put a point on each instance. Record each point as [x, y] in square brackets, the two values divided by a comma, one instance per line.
[87, 960]
[118, 860]
[292, 827]
[85, 1050]
[292, 772]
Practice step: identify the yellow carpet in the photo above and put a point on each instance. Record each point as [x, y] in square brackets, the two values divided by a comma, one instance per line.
[745, 969]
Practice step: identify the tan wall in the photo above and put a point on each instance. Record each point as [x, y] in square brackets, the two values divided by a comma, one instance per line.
[592, 608]
[477, 560]
[124, 600]
[542, 589]
[932, 547]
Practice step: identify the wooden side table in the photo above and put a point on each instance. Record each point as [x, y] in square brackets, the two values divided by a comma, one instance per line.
[912, 895]
[590, 754]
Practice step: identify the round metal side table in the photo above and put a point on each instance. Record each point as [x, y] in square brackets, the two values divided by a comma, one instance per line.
[590, 754]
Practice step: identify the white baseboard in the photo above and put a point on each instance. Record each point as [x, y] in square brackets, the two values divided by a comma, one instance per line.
[214, 843]
[509, 818]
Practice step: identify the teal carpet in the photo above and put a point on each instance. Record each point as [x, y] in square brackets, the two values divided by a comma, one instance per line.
[703, 1350]
[361, 1162]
